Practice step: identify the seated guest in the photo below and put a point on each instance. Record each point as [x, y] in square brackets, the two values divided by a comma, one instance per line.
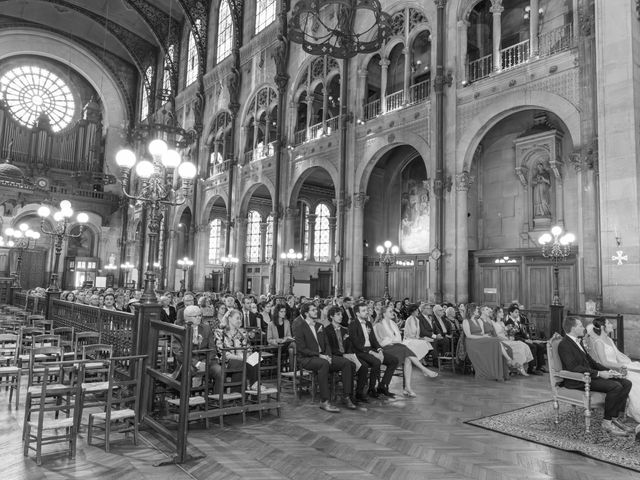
[109, 302]
[348, 313]
[520, 351]
[279, 330]
[188, 300]
[441, 324]
[421, 325]
[202, 339]
[208, 312]
[485, 352]
[452, 317]
[168, 311]
[388, 335]
[521, 332]
[605, 352]
[369, 352]
[338, 338]
[574, 358]
[314, 354]
[221, 310]
[421, 345]
[234, 337]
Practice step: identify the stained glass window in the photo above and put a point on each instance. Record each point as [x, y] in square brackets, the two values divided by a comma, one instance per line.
[30, 91]
[166, 78]
[215, 240]
[192, 57]
[225, 31]
[252, 252]
[265, 13]
[321, 236]
[268, 238]
[305, 246]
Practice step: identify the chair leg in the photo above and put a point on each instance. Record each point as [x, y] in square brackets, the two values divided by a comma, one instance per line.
[587, 419]
[556, 409]
[26, 436]
[107, 434]
[89, 429]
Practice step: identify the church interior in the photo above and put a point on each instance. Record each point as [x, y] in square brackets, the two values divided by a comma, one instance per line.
[445, 151]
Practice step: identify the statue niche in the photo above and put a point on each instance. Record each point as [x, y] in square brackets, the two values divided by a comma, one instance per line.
[414, 209]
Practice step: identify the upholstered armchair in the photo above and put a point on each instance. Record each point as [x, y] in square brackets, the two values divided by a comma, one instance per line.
[578, 398]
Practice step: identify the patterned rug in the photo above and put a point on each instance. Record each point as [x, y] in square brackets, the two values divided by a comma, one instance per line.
[535, 424]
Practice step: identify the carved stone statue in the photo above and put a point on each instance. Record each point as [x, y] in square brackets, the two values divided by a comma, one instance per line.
[541, 192]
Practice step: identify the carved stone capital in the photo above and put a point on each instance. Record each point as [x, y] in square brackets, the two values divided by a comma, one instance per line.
[496, 7]
[360, 199]
[464, 181]
[292, 212]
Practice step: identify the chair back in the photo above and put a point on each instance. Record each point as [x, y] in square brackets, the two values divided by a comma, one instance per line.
[46, 325]
[39, 358]
[9, 347]
[66, 337]
[46, 340]
[85, 338]
[26, 338]
[555, 364]
[98, 351]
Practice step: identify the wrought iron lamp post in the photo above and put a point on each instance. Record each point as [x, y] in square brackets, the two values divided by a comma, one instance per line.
[59, 233]
[156, 192]
[185, 264]
[387, 253]
[22, 238]
[557, 247]
[291, 259]
[228, 264]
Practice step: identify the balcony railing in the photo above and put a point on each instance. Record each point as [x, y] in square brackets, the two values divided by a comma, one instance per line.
[219, 168]
[419, 92]
[556, 41]
[260, 152]
[515, 55]
[300, 137]
[333, 124]
[549, 43]
[372, 110]
[395, 101]
[316, 131]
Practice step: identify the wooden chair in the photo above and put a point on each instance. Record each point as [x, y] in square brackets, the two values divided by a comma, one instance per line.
[266, 396]
[232, 397]
[122, 403]
[46, 429]
[46, 340]
[449, 357]
[66, 335]
[85, 338]
[46, 325]
[26, 341]
[578, 398]
[10, 373]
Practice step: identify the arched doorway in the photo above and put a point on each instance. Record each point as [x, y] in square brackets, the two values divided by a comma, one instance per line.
[216, 246]
[311, 231]
[522, 187]
[183, 249]
[398, 210]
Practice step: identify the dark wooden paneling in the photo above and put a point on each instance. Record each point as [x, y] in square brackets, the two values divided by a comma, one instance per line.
[539, 278]
[509, 284]
[489, 279]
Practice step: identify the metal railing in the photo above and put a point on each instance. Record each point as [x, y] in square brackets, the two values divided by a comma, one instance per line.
[515, 55]
[480, 68]
[556, 41]
[419, 92]
[300, 137]
[395, 100]
[333, 124]
[372, 110]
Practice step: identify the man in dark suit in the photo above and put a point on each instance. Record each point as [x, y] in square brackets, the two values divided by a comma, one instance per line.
[314, 353]
[188, 300]
[168, 312]
[364, 343]
[203, 339]
[347, 312]
[574, 358]
[523, 334]
[338, 338]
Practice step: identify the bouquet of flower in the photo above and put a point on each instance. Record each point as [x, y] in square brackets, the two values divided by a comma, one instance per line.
[510, 331]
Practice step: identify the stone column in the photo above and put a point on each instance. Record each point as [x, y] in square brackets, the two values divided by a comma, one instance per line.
[497, 9]
[291, 218]
[267, 139]
[325, 105]
[357, 260]
[407, 74]
[309, 113]
[463, 29]
[463, 183]
[384, 63]
[534, 17]
[311, 221]
[241, 241]
[172, 255]
[362, 86]
[200, 258]
[263, 240]
[332, 237]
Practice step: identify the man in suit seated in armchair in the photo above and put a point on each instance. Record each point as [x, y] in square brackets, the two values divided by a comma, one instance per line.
[338, 338]
[574, 358]
[314, 353]
[202, 339]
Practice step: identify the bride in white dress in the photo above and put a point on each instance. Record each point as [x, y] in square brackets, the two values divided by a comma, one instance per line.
[605, 351]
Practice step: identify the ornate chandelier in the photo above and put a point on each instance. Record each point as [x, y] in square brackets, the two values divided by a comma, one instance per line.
[339, 28]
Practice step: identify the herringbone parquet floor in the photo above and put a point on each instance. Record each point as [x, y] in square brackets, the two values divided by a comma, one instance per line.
[422, 438]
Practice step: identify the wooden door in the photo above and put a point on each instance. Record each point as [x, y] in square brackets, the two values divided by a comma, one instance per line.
[489, 285]
[509, 285]
[33, 269]
[540, 288]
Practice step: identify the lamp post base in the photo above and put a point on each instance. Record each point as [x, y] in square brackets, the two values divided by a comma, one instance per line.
[149, 294]
[53, 283]
[557, 315]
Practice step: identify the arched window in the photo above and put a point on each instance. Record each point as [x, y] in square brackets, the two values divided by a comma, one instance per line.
[268, 238]
[30, 91]
[193, 63]
[225, 32]
[265, 13]
[215, 240]
[321, 237]
[306, 246]
[167, 69]
[252, 252]
[260, 124]
[144, 101]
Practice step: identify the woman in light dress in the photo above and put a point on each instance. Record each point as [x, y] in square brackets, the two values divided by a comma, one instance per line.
[605, 351]
[390, 338]
[420, 346]
[521, 352]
